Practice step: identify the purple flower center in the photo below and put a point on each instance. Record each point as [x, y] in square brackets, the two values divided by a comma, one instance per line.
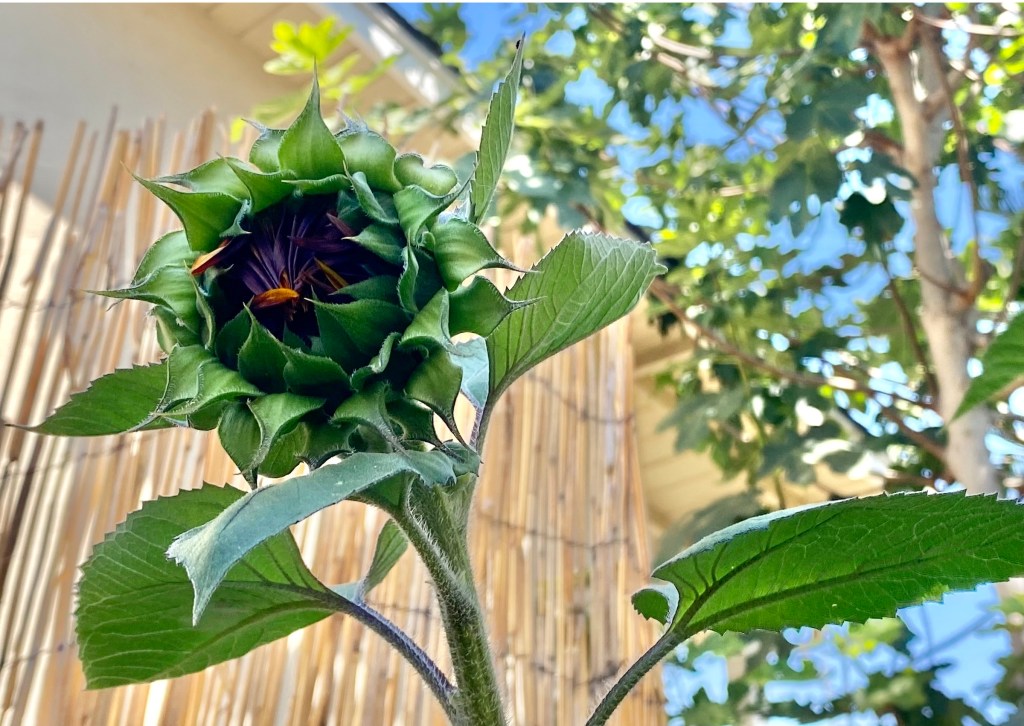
[294, 252]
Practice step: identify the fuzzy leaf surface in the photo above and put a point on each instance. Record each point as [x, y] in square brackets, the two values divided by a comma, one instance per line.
[134, 617]
[209, 552]
[580, 286]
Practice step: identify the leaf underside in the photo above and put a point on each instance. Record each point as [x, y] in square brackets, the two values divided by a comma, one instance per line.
[134, 617]
[210, 549]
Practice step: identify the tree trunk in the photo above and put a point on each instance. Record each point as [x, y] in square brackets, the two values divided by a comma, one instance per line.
[948, 315]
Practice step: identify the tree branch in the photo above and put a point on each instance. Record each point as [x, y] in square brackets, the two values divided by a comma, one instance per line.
[931, 385]
[661, 290]
[969, 28]
[1015, 280]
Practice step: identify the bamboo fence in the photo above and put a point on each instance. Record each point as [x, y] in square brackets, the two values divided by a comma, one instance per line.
[558, 538]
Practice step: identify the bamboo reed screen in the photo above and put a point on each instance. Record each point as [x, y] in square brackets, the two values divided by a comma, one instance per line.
[558, 534]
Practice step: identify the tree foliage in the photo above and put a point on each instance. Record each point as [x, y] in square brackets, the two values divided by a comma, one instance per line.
[758, 147]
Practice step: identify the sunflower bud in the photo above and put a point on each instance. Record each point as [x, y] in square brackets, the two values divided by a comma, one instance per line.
[309, 303]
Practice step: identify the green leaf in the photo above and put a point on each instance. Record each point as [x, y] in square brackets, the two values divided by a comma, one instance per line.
[328, 185]
[239, 435]
[171, 250]
[436, 383]
[368, 408]
[210, 551]
[438, 180]
[170, 333]
[378, 207]
[216, 383]
[134, 619]
[471, 357]
[416, 207]
[407, 281]
[117, 402]
[461, 250]
[264, 151]
[1003, 363]
[183, 365]
[309, 374]
[308, 148]
[415, 421]
[429, 329]
[370, 154]
[478, 308]
[843, 561]
[206, 216]
[264, 189]
[251, 433]
[656, 602]
[261, 360]
[378, 287]
[376, 365]
[391, 545]
[213, 176]
[381, 241]
[495, 139]
[354, 332]
[580, 286]
[171, 287]
[231, 337]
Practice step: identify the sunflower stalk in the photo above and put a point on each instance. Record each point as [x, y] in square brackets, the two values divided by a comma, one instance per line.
[322, 305]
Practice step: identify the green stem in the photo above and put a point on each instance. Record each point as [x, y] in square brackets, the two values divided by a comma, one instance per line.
[631, 677]
[397, 639]
[441, 543]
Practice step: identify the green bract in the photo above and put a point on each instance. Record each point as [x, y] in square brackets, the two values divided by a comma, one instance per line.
[308, 306]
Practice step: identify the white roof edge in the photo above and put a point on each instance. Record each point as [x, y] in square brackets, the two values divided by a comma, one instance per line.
[417, 69]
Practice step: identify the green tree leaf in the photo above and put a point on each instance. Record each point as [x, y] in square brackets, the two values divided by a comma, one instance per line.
[134, 618]
[478, 307]
[580, 286]
[656, 602]
[210, 551]
[495, 139]
[841, 561]
[1003, 364]
[117, 402]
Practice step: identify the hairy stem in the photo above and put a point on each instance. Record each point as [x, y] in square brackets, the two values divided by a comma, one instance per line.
[401, 642]
[627, 682]
[428, 522]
